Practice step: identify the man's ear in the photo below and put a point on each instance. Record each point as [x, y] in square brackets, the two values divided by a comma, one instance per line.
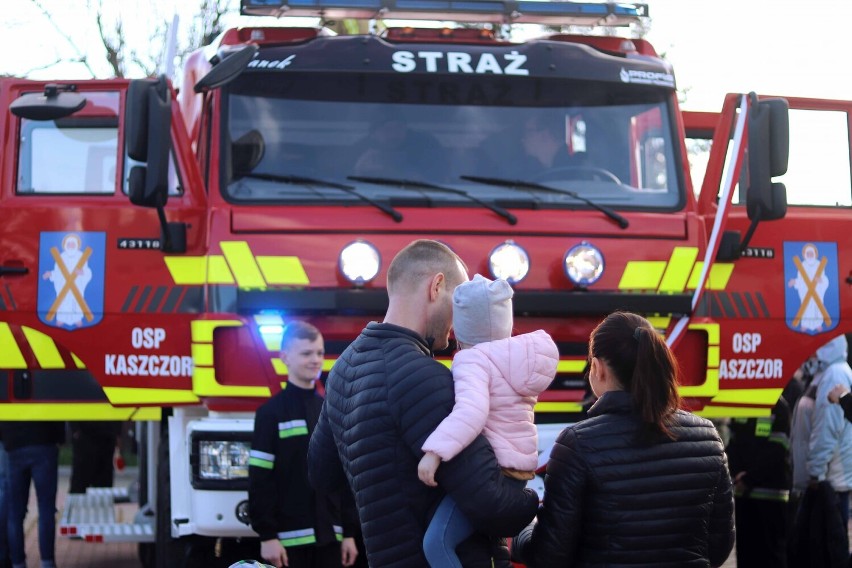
[435, 284]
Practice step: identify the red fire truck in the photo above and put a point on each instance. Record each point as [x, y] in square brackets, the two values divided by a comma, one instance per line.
[154, 243]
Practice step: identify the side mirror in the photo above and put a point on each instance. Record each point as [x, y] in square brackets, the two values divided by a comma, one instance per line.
[56, 102]
[768, 154]
[147, 120]
[771, 206]
[226, 68]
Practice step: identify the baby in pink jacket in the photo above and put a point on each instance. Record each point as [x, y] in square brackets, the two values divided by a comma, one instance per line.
[497, 380]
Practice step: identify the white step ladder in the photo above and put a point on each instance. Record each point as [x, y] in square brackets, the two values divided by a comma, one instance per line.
[91, 516]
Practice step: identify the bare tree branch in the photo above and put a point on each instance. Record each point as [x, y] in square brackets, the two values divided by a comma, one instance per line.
[81, 57]
[205, 26]
[114, 46]
[49, 65]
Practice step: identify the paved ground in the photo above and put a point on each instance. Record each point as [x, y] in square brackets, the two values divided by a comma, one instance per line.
[79, 554]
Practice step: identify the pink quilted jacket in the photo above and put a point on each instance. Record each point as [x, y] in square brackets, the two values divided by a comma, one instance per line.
[497, 384]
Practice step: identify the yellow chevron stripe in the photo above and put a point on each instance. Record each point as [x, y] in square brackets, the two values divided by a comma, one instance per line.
[237, 264]
[78, 362]
[720, 274]
[571, 366]
[733, 412]
[218, 271]
[766, 397]
[245, 269]
[10, 354]
[642, 275]
[284, 270]
[678, 269]
[131, 395]
[558, 407]
[77, 411]
[187, 270]
[44, 349]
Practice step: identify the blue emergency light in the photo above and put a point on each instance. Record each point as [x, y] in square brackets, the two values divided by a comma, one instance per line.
[482, 11]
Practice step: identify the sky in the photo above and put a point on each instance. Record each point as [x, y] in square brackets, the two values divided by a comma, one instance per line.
[773, 47]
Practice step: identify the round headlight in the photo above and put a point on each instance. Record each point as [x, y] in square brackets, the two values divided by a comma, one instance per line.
[584, 264]
[359, 262]
[510, 262]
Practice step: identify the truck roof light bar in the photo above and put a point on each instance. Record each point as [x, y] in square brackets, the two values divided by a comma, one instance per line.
[480, 11]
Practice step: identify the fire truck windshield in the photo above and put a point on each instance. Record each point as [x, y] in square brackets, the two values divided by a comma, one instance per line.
[610, 143]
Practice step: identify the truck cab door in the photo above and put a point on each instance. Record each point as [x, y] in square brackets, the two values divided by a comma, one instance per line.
[790, 286]
[83, 282]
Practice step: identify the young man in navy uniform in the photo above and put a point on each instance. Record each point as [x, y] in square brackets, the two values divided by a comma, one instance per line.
[298, 527]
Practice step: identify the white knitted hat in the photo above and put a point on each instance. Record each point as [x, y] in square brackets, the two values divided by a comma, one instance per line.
[482, 310]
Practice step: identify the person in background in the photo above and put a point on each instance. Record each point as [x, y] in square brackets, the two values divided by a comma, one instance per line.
[384, 396]
[830, 448]
[800, 429]
[497, 381]
[759, 461]
[298, 527]
[821, 445]
[94, 445]
[33, 450]
[639, 480]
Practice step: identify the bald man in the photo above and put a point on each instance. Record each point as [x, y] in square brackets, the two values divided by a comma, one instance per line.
[384, 396]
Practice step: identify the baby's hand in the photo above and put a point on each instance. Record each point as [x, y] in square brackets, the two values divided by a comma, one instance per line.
[427, 467]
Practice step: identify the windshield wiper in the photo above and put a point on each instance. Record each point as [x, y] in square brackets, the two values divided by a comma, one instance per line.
[503, 182]
[403, 183]
[293, 179]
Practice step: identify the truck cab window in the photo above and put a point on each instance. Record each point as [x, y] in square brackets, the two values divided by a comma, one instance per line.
[175, 187]
[74, 155]
[818, 172]
[616, 149]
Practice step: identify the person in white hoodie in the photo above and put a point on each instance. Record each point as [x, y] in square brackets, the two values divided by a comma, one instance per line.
[497, 381]
[830, 446]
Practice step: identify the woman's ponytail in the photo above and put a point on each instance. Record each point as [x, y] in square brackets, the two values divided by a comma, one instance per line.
[643, 364]
[654, 381]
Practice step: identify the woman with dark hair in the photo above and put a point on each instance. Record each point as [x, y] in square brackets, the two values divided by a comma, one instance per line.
[639, 481]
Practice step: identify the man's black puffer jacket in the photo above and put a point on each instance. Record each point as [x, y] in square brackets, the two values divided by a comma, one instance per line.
[384, 396]
[612, 501]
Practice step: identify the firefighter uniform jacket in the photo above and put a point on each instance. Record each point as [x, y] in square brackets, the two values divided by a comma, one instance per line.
[282, 504]
[761, 448]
